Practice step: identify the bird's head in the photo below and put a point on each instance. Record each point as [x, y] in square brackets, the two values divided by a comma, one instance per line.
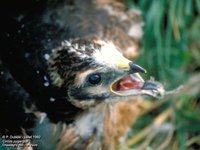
[95, 72]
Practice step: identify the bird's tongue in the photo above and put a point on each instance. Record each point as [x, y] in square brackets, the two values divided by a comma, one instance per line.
[130, 82]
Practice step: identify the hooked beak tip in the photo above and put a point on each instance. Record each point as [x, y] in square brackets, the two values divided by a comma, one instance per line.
[136, 68]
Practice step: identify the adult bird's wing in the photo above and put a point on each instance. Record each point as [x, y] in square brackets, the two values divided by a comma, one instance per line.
[109, 20]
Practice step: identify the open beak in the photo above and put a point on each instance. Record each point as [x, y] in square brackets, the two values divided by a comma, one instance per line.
[131, 83]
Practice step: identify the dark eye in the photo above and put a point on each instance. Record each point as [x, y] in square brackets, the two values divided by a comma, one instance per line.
[94, 78]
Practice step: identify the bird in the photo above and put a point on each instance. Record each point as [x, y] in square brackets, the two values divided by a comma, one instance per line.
[67, 74]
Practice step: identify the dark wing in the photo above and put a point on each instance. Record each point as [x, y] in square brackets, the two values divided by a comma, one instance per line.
[16, 105]
[107, 20]
[25, 38]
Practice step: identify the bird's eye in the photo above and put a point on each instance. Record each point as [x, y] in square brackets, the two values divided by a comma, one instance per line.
[94, 78]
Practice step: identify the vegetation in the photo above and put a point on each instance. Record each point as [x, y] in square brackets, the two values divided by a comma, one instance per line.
[171, 53]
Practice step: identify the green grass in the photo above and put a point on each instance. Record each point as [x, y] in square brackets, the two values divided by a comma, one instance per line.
[170, 43]
[171, 54]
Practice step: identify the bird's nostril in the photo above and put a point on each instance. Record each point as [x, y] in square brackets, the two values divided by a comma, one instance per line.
[136, 68]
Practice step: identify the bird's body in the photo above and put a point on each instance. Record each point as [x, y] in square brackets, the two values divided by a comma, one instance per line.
[65, 77]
